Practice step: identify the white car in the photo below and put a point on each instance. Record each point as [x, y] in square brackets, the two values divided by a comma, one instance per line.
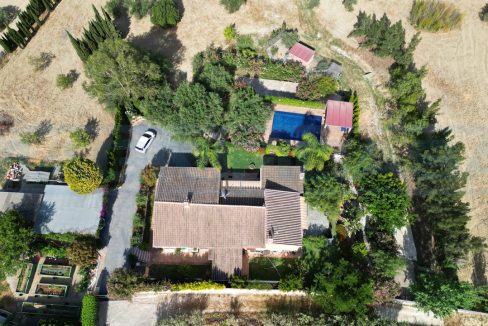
[145, 141]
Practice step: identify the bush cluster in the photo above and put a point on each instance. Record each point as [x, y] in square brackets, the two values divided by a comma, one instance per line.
[232, 5]
[197, 286]
[80, 138]
[165, 13]
[82, 175]
[315, 88]
[434, 15]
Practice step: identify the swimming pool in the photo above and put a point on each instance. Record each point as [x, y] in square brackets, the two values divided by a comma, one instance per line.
[292, 126]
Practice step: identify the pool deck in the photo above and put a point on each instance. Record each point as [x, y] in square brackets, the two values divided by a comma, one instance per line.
[290, 109]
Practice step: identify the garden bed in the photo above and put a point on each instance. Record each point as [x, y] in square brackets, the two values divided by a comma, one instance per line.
[25, 278]
[34, 308]
[180, 273]
[56, 270]
[51, 290]
[270, 269]
[239, 159]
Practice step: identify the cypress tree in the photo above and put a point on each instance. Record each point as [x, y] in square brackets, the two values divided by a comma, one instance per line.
[16, 38]
[7, 44]
[47, 4]
[79, 48]
[33, 15]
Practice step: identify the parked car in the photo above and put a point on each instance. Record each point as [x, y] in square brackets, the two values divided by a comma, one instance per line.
[145, 141]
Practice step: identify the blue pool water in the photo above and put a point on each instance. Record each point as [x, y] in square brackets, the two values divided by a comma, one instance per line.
[293, 125]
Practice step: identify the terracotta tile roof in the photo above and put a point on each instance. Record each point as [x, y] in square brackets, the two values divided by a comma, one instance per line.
[177, 184]
[283, 217]
[339, 114]
[302, 52]
[287, 178]
[208, 226]
[225, 263]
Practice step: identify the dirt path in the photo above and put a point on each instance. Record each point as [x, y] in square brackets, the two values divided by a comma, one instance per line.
[32, 97]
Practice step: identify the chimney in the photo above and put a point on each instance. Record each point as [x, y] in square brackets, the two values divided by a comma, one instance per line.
[187, 202]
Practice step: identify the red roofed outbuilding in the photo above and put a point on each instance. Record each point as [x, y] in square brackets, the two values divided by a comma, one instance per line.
[302, 53]
[338, 121]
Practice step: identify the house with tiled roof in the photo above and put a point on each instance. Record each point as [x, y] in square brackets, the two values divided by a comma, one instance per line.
[206, 211]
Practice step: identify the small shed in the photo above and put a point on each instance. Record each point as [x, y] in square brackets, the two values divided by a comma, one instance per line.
[63, 210]
[339, 114]
[302, 53]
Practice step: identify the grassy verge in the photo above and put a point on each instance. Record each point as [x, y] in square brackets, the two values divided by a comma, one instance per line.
[241, 160]
[295, 102]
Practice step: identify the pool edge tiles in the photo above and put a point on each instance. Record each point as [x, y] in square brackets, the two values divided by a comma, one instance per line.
[292, 126]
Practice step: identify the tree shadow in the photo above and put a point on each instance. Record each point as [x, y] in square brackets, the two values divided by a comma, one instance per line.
[73, 75]
[44, 217]
[186, 303]
[122, 20]
[478, 277]
[44, 128]
[92, 127]
[101, 159]
[163, 42]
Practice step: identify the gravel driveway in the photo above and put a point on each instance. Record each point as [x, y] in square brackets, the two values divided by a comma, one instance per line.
[118, 233]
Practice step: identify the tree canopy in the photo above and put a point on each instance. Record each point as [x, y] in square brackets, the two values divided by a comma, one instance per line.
[326, 193]
[165, 13]
[160, 107]
[215, 78]
[246, 118]
[386, 199]
[198, 112]
[207, 152]
[14, 242]
[120, 74]
[83, 251]
[313, 154]
[82, 175]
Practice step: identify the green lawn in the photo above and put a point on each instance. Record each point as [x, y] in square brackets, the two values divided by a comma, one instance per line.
[270, 269]
[241, 160]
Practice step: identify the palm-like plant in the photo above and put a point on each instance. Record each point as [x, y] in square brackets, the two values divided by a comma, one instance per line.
[207, 153]
[313, 154]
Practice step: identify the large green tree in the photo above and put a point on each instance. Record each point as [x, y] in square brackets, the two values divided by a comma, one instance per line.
[326, 193]
[165, 13]
[199, 112]
[313, 154]
[14, 242]
[120, 74]
[215, 78]
[434, 293]
[82, 175]
[158, 108]
[246, 118]
[386, 199]
[339, 288]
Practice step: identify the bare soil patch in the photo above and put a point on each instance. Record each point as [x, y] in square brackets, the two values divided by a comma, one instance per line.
[32, 97]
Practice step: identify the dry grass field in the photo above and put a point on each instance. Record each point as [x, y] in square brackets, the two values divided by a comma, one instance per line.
[457, 62]
[32, 98]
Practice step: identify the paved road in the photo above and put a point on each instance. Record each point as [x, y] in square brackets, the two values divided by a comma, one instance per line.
[118, 233]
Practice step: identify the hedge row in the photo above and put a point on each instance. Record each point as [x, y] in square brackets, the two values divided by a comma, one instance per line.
[295, 102]
[89, 310]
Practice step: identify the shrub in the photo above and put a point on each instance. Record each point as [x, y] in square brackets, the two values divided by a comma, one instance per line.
[42, 61]
[281, 149]
[141, 200]
[83, 251]
[245, 42]
[349, 4]
[312, 4]
[289, 37]
[89, 310]
[30, 138]
[138, 8]
[286, 71]
[232, 5]
[355, 114]
[149, 176]
[230, 32]
[82, 175]
[6, 122]
[291, 283]
[484, 13]
[316, 88]
[165, 13]
[122, 284]
[237, 282]
[434, 16]
[259, 286]
[66, 81]
[197, 286]
[80, 138]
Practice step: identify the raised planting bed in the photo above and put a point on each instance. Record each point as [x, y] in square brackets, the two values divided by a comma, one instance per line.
[56, 270]
[34, 308]
[51, 290]
[25, 278]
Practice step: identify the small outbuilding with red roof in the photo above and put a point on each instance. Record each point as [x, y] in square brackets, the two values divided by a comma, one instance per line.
[338, 121]
[302, 53]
